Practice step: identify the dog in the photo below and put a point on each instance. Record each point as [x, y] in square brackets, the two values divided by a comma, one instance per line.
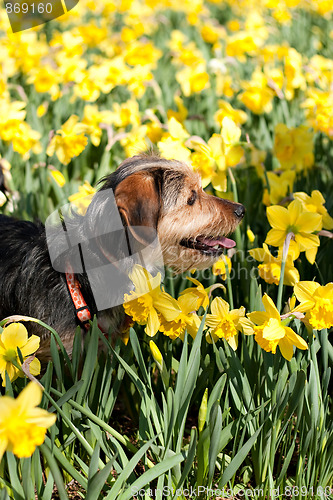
[150, 192]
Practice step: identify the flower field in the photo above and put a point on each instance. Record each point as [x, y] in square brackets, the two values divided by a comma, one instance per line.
[222, 388]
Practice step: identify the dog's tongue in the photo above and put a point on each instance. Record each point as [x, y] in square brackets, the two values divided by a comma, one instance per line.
[223, 242]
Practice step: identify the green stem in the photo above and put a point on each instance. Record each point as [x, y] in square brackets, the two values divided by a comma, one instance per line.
[238, 236]
[283, 265]
[231, 297]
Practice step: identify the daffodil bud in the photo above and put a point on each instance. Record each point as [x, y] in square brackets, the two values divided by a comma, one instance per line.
[203, 411]
[250, 235]
[156, 353]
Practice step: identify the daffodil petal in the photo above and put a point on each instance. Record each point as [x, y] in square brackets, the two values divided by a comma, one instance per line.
[260, 254]
[258, 317]
[31, 346]
[14, 335]
[305, 306]
[309, 222]
[270, 307]
[311, 254]
[219, 307]
[273, 330]
[188, 301]
[304, 290]
[41, 417]
[296, 339]
[247, 326]
[30, 396]
[295, 209]
[167, 306]
[153, 323]
[233, 342]
[286, 348]
[291, 276]
[275, 237]
[212, 320]
[278, 217]
[34, 367]
[307, 241]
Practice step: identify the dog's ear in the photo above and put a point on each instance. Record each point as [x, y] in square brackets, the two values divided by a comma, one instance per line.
[138, 201]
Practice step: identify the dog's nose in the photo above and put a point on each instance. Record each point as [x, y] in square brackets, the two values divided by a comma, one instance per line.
[240, 211]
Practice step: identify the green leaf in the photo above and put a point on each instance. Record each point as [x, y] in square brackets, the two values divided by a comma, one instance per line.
[189, 459]
[97, 481]
[51, 462]
[239, 458]
[151, 474]
[14, 477]
[113, 494]
[214, 448]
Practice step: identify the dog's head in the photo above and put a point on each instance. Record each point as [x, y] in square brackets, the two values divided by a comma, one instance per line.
[167, 195]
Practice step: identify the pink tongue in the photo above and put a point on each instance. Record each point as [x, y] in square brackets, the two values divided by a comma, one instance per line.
[224, 242]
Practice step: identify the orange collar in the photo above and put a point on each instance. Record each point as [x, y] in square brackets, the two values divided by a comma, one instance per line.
[82, 310]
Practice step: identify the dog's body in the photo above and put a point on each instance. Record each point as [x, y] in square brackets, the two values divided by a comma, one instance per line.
[149, 192]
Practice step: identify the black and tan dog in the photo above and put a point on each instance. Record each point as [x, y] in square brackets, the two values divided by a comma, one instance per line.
[149, 192]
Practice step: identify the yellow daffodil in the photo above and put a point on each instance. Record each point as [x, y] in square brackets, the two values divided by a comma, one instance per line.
[135, 141]
[69, 141]
[294, 147]
[93, 118]
[193, 79]
[269, 331]
[315, 203]
[198, 295]
[225, 109]
[145, 303]
[213, 158]
[126, 114]
[57, 176]
[22, 425]
[240, 44]
[219, 267]
[224, 323]
[45, 79]
[318, 106]
[293, 70]
[11, 114]
[297, 221]
[279, 186]
[12, 338]
[186, 320]
[14, 129]
[82, 198]
[26, 139]
[142, 54]
[317, 302]
[270, 269]
[172, 143]
[181, 114]
[257, 95]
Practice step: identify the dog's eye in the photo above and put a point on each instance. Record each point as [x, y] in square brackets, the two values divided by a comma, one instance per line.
[192, 198]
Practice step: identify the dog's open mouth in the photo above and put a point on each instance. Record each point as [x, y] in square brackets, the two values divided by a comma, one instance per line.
[208, 246]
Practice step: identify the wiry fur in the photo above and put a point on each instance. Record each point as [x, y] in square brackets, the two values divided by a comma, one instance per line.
[149, 192]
